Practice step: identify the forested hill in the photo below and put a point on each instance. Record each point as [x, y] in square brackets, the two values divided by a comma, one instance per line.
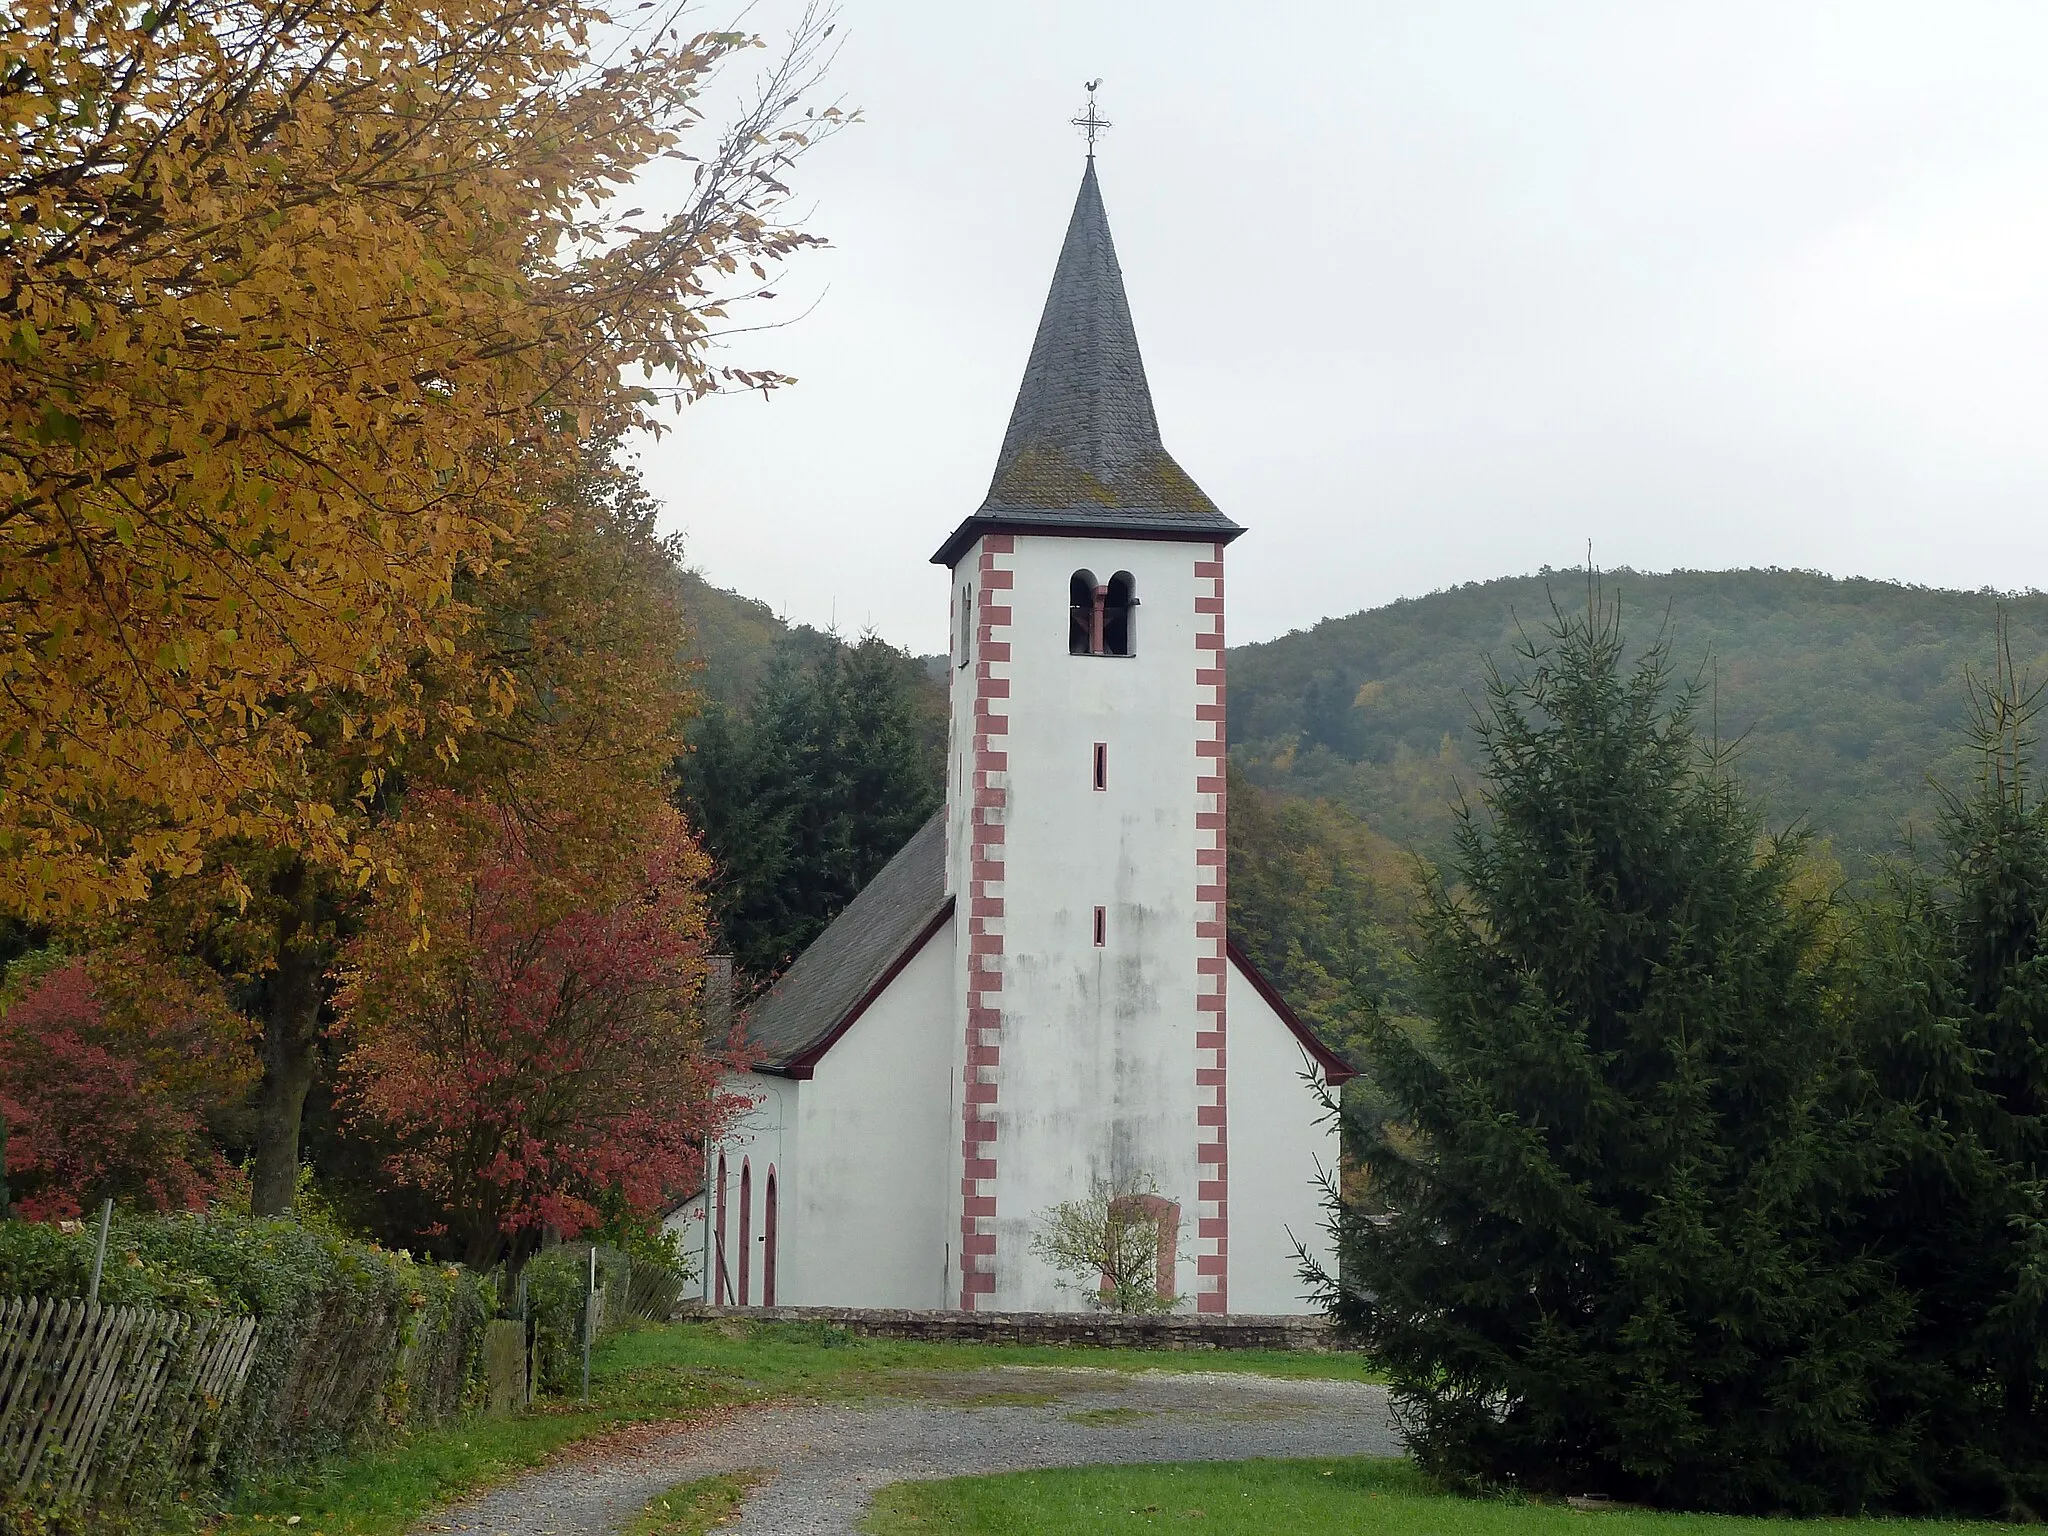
[733, 638]
[1847, 694]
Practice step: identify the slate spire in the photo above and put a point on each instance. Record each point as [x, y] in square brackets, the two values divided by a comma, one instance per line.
[1083, 451]
[1084, 398]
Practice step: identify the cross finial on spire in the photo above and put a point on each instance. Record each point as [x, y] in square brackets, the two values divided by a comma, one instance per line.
[1091, 123]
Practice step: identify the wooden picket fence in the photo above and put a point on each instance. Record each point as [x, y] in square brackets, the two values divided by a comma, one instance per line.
[653, 1291]
[100, 1403]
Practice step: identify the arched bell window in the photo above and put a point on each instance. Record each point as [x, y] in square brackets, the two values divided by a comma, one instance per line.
[1101, 620]
[746, 1230]
[1081, 614]
[1120, 615]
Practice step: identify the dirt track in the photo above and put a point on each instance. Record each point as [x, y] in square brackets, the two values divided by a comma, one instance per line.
[827, 1458]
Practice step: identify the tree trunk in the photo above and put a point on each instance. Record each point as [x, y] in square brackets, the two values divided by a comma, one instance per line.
[291, 1039]
[517, 1249]
[483, 1246]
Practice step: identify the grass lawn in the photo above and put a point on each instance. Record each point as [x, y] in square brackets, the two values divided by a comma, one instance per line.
[669, 1372]
[695, 1507]
[1298, 1498]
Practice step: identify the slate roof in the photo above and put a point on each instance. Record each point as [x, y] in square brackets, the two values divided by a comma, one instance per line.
[849, 962]
[1083, 452]
[861, 950]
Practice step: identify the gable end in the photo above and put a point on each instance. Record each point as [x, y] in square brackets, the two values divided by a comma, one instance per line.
[1336, 1070]
[802, 1067]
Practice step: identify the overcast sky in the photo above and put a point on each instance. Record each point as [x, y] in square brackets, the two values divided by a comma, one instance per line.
[1428, 292]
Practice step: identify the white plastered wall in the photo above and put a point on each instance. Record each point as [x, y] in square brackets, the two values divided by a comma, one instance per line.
[1276, 1146]
[686, 1225]
[864, 1222]
[1098, 1052]
[764, 1139]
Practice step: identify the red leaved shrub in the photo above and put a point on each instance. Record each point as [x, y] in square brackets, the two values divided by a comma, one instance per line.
[110, 1063]
[532, 1038]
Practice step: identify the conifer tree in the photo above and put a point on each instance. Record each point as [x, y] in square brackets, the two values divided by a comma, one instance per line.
[1612, 1162]
[806, 792]
[1952, 997]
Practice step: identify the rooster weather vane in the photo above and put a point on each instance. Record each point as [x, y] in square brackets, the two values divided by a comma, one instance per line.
[1090, 122]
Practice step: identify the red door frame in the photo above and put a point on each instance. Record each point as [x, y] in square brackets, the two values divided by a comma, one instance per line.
[718, 1288]
[768, 1242]
[746, 1224]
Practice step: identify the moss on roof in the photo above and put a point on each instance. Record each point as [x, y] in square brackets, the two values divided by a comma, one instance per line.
[1083, 450]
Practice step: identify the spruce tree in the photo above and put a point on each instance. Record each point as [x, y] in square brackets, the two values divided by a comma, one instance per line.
[1952, 998]
[890, 758]
[806, 792]
[1612, 1164]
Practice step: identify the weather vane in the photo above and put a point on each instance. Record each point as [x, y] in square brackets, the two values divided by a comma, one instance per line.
[1091, 123]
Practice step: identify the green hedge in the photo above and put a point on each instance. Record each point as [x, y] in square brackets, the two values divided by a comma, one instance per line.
[41, 1260]
[354, 1342]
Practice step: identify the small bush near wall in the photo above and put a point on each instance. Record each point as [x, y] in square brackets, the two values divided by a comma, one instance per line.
[556, 1280]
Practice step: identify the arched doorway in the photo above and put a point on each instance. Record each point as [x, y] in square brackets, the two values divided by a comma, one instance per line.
[1164, 1215]
[768, 1241]
[720, 1290]
[746, 1224]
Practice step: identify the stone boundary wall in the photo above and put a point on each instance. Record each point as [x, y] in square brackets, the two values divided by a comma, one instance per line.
[1101, 1329]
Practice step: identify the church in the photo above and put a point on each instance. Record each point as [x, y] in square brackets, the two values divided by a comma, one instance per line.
[1039, 992]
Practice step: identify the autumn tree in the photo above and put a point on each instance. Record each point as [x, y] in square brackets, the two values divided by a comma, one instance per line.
[1325, 907]
[573, 672]
[296, 297]
[110, 1064]
[538, 1052]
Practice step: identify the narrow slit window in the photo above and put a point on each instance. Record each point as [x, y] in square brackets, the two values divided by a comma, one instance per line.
[1102, 765]
[1101, 926]
[966, 625]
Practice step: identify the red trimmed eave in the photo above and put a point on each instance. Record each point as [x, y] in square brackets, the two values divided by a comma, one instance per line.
[1336, 1071]
[976, 526]
[801, 1067]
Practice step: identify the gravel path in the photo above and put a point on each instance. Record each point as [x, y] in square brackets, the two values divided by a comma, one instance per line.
[829, 1457]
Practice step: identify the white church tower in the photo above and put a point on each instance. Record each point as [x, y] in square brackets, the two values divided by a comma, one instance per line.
[1085, 808]
[1038, 992]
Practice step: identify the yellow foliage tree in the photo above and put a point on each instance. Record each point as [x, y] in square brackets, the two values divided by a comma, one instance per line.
[580, 631]
[295, 295]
